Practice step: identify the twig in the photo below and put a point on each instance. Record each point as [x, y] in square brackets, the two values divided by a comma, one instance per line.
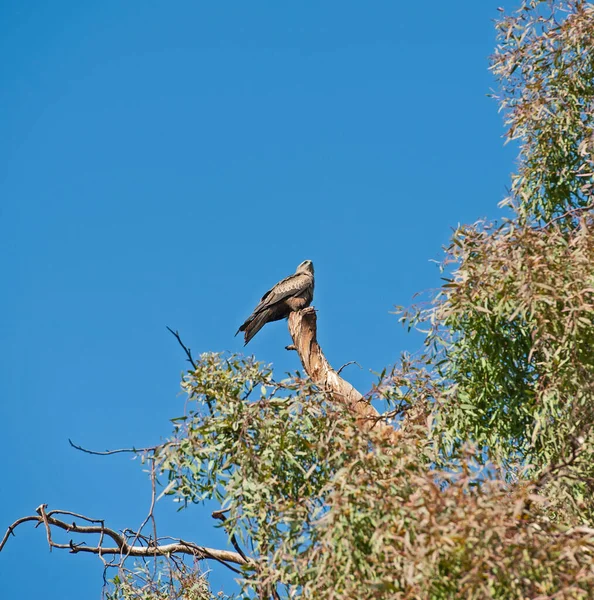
[109, 452]
[351, 362]
[75, 515]
[220, 515]
[190, 359]
[150, 515]
[188, 352]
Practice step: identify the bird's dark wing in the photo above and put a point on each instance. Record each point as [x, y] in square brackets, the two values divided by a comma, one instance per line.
[290, 286]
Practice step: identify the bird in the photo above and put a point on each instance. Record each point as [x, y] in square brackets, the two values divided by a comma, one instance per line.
[290, 294]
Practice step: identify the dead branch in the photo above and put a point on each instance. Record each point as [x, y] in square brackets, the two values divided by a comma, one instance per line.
[346, 364]
[190, 359]
[303, 330]
[118, 451]
[122, 547]
[187, 350]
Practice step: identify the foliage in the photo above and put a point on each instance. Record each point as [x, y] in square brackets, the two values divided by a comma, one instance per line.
[330, 512]
[516, 333]
[485, 488]
[545, 67]
[161, 582]
[512, 328]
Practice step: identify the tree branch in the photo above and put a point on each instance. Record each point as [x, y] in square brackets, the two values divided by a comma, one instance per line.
[303, 330]
[110, 452]
[122, 547]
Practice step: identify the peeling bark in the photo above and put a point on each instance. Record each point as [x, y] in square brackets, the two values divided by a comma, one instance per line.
[303, 330]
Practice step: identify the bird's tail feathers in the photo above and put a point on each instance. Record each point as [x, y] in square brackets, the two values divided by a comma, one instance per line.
[252, 326]
[246, 323]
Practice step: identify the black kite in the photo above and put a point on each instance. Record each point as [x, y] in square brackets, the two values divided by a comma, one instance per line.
[292, 293]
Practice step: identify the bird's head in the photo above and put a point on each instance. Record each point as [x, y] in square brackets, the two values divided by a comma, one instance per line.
[305, 267]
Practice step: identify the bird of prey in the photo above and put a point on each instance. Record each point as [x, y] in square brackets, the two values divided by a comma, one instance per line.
[292, 293]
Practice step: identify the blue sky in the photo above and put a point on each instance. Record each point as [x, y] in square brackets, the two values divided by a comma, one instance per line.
[166, 163]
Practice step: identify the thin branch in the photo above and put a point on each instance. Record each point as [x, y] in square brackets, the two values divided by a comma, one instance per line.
[191, 360]
[11, 528]
[69, 513]
[109, 452]
[220, 515]
[150, 516]
[188, 352]
[351, 362]
[549, 472]
[572, 212]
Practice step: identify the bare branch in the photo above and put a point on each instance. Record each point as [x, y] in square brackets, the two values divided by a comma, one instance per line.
[11, 528]
[191, 360]
[75, 515]
[150, 516]
[109, 452]
[122, 547]
[351, 362]
[188, 352]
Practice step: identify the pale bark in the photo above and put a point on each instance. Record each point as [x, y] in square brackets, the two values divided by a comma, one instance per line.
[123, 547]
[303, 330]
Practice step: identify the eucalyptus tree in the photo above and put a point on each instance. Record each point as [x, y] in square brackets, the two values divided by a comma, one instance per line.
[477, 482]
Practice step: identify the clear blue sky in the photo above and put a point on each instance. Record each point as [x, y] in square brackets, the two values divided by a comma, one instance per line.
[165, 163]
